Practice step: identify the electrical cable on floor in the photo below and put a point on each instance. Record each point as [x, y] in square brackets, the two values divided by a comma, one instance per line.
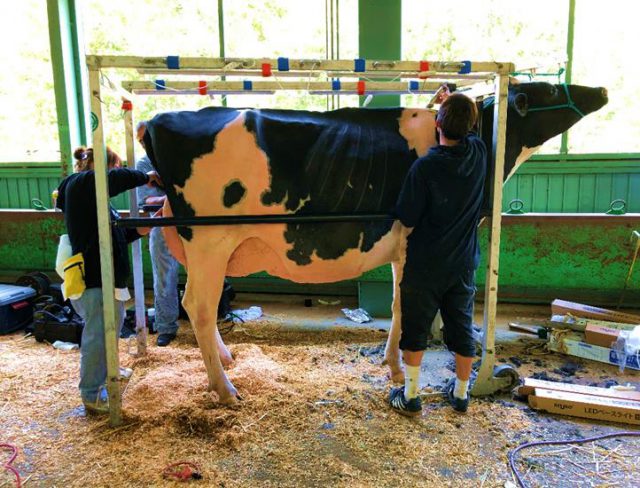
[513, 453]
[8, 465]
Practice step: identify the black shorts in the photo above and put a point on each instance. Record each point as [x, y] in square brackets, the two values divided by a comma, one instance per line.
[420, 300]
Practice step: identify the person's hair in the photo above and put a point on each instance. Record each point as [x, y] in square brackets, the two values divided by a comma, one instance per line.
[457, 115]
[84, 159]
[141, 124]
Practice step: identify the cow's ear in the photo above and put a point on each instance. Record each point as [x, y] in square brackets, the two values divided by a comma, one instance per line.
[521, 103]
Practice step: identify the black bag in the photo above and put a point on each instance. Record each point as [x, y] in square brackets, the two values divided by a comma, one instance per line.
[53, 322]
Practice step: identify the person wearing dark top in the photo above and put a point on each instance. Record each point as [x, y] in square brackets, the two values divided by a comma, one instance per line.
[440, 201]
[77, 200]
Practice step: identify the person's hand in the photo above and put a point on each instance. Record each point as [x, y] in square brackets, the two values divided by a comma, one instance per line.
[155, 200]
[154, 179]
[143, 231]
[442, 94]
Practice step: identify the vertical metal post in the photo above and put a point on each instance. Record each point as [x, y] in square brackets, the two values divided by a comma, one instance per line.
[564, 140]
[221, 42]
[138, 277]
[106, 251]
[485, 382]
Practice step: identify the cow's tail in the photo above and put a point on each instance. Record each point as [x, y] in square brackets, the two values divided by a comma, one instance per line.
[172, 238]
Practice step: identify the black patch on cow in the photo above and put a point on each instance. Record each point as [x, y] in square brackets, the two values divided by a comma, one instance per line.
[233, 193]
[173, 140]
[344, 161]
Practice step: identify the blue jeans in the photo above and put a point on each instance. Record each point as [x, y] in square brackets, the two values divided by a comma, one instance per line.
[93, 357]
[165, 283]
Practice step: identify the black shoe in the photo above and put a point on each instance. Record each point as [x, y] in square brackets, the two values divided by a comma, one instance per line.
[458, 404]
[397, 401]
[165, 339]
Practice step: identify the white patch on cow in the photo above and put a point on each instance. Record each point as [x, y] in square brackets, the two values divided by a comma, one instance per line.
[525, 154]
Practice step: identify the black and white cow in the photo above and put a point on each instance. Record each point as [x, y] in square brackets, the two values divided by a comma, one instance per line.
[227, 161]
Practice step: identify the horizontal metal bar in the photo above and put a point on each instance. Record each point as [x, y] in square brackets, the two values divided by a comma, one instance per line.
[432, 75]
[152, 87]
[228, 64]
[251, 219]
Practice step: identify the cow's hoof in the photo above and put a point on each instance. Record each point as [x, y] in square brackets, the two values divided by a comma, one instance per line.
[230, 397]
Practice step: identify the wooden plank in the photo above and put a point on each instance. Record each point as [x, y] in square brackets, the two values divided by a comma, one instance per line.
[532, 384]
[603, 192]
[586, 406]
[562, 307]
[587, 193]
[540, 193]
[570, 193]
[555, 192]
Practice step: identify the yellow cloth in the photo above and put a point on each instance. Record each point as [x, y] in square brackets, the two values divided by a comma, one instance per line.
[73, 286]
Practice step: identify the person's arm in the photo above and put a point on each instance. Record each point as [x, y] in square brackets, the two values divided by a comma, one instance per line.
[123, 179]
[412, 200]
[145, 193]
[134, 234]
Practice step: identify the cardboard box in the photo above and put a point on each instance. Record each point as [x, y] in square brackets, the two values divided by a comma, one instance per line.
[561, 307]
[585, 406]
[531, 384]
[600, 336]
[580, 324]
[572, 343]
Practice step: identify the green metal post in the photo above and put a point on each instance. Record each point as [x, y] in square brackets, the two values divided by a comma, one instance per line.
[564, 142]
[68, 77]
[380, 37]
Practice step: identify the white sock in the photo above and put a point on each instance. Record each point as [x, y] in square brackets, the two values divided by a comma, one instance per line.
[411, 377]
[460, 389]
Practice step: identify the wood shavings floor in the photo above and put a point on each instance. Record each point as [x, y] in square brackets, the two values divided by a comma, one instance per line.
[313, 413]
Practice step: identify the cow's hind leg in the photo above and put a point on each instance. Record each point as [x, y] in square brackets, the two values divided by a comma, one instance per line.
[204, 285]
[392, 349]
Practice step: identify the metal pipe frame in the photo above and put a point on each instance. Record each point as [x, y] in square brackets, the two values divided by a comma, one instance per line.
[138, 275]
[328, 65]
[486, 383]
[251, 219]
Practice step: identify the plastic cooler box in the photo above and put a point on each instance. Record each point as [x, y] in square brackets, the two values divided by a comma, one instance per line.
[16, 309]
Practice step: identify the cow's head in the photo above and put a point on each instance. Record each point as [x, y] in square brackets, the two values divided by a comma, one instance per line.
[539, 111]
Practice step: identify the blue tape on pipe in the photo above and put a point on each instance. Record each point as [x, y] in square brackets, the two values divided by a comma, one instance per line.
[414, 85]
[247, 85]
[466, 68]
[173, 62]
[160, 85]
[335, 85]
[359, 65]
[283, 64]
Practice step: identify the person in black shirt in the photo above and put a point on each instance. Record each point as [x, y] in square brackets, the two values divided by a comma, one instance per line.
[77, 200]
[441, 201]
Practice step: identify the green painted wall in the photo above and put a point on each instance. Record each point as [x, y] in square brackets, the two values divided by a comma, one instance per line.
[583, 258]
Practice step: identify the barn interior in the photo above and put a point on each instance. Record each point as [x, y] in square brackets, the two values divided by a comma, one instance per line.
[555, 393]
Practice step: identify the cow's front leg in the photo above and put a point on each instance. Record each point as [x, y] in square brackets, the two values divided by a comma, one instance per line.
[392, 349]
[201, 303]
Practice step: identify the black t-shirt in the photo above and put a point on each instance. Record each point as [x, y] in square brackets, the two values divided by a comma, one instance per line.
[77, 199]
[441, 199]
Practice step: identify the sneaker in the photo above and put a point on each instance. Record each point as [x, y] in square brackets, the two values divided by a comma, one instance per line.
[397, 401]
[458, 404]
[165, 339]
[100, 405]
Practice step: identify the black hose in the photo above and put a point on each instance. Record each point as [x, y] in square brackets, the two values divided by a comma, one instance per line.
[513, 453]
